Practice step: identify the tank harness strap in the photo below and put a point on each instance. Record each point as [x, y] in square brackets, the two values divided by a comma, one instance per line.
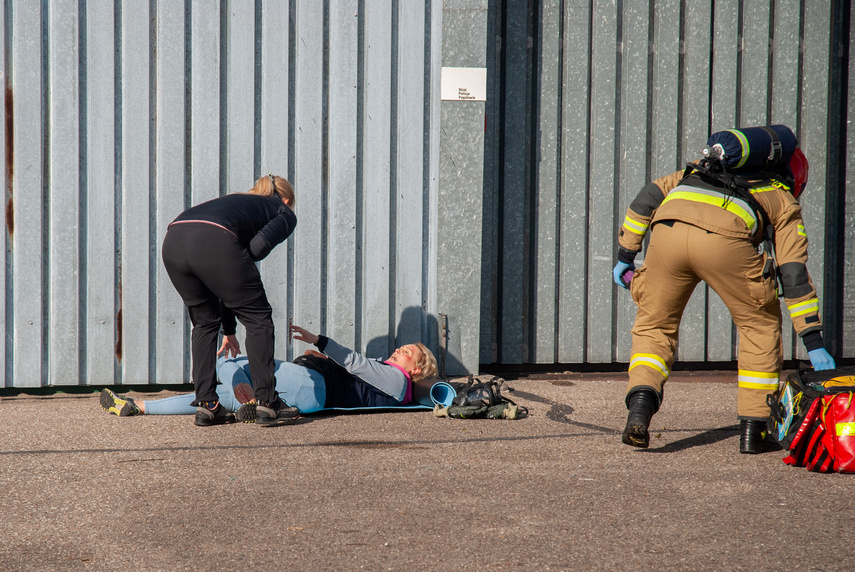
[777, 148]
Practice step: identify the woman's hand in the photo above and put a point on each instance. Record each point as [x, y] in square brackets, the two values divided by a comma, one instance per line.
[230, 345]
[303, 335]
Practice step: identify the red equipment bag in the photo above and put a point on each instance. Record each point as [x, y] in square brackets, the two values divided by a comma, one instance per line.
[823, 437]
[838, 418]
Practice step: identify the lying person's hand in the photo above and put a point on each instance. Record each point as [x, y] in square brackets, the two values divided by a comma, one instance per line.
[303, 335]
[230, 345]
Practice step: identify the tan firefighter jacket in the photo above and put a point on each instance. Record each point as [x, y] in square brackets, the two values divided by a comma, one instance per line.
[706, 203]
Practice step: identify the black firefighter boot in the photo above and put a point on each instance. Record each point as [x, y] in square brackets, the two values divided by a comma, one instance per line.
[642, 404]
[753, 438]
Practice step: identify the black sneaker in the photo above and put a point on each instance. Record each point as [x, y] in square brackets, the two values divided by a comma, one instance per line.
[246, 413]
[112, 403]
[219, 416]
[269, 417]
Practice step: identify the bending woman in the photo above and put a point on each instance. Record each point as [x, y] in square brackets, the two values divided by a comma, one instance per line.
[334, 376]
[209, 252]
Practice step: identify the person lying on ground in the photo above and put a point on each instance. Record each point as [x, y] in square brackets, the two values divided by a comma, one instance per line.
[330, 377]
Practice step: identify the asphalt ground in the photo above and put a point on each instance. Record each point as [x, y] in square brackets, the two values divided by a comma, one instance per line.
[85, 490]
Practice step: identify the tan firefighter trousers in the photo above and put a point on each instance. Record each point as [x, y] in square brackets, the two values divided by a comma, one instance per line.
[678, 257]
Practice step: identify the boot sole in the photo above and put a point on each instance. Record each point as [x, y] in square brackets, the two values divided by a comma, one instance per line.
[268, 422]
[206, 422]
[246, 413]
[636, 436]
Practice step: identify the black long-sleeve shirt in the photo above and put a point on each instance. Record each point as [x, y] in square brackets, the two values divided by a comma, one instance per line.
[260, 223]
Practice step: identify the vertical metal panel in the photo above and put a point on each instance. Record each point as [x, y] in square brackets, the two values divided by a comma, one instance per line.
[848, 346]
[308, 130]
[341, 150]
[64, 189]
[755, 63]
[512, 255]
[6, 153]
[543, 349]
[100, 268]
[27, 292]
[375, 192]
[489, 347]
[239, 111]
[604, 166]
[409, 177]
[635, 99]
[170, 157]
[135, 193]
[665, 93]
[430, 157]
[205, 100]
[273, 128]
[575, 173]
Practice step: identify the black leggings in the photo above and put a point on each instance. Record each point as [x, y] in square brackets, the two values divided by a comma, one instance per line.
[207, 264]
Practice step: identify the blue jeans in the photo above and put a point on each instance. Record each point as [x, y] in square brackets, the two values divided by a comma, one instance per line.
[298, 386]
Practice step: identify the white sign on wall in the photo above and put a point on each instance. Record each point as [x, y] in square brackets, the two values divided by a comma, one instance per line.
[464, 84]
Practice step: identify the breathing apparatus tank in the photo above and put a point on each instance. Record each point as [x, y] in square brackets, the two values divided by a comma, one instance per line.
[767, 148]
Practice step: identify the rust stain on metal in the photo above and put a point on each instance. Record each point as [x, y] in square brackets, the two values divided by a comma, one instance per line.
[10, 163]
[10, 136]
[10, 216]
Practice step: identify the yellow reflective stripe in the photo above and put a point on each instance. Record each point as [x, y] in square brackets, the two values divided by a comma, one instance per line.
[844, 429]
[732, 204]
[803, 308]
[762, 189]
[649, 360]
[635, 226]
[746, 149]
[758, 380]
[801, 230]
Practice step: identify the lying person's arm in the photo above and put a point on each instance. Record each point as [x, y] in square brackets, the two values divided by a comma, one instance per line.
[385, 378]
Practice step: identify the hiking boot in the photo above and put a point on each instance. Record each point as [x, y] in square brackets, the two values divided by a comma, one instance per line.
[267, 416]
[642, 404]
[112, 403]
[246, 413]
[218, 416]
[753, 438]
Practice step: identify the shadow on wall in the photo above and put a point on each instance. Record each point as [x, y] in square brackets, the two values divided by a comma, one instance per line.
[416, 326]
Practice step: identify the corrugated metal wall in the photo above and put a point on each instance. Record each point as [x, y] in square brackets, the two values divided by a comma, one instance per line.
[595, 98]
[120, 114]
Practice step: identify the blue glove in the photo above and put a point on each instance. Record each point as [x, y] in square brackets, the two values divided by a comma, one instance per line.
[619, 269]
[821, 360]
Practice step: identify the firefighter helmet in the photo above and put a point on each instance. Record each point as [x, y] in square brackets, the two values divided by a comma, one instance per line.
[799, 168]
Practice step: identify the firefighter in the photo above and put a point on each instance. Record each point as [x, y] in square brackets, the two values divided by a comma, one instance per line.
[710, 224]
